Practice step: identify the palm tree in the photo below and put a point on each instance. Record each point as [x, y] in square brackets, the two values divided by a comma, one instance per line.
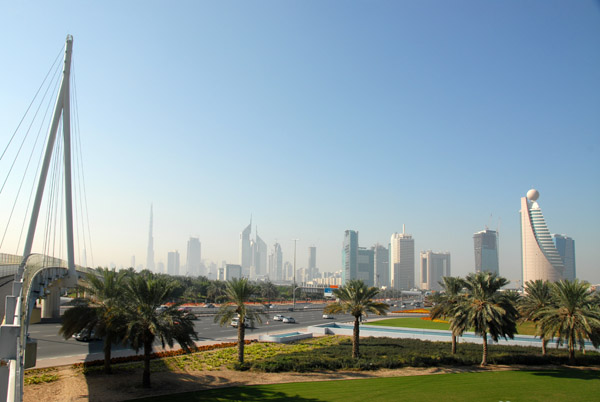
[357, 299]
[238, 293]
[99, 312]
[146, 321]
[538, 295]
[573, 316]
[446, 302]
[485, 309]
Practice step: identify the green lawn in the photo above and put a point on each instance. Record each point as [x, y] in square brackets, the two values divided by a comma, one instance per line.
[416, 322]
[542, 385]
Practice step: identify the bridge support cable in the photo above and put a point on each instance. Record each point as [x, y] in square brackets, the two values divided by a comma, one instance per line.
[43, 101]
[38, 272]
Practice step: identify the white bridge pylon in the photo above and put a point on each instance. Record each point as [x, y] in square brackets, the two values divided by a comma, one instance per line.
[36, 273]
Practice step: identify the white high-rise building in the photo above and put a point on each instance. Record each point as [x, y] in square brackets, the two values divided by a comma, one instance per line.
[434, 266]
[150, 256]
[246, 249]
[276, 263]
[173, 263]
[402, 261]
[193, 260]
[540, 258]
[259, 256]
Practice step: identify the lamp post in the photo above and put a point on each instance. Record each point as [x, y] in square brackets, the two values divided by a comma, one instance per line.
[294, 283]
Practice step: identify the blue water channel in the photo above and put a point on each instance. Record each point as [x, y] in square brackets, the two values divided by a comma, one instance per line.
[285, 335]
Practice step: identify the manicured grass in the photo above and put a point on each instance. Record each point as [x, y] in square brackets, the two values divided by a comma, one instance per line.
[410, 322]
[416, 322]
[542, 385]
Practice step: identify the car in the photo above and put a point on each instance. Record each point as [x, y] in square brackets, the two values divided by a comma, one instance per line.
[160, 309]
[328, 317]
[308, 306]
[290, 309]
[288, 320]
[247, 324]
[278, 317]
[403, 305]
[86, 336]
[209, 305]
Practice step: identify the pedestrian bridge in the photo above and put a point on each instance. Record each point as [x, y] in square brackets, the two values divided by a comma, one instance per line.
[22, 282]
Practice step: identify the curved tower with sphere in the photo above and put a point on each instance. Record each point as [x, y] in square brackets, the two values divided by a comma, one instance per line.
[539, 257]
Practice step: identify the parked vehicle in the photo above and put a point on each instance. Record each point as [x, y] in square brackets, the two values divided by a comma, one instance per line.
[288, 320]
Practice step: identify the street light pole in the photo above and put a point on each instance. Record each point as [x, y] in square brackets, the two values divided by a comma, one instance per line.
[294, 284]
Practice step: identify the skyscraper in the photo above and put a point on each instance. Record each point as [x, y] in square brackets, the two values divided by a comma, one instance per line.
[381, 257]
[312, 262]
[350, 256]
[259, 256]
[276, 263]
[566, 248]
[366, 266]
[173, 263]
[402, 261]
[150, 255]
[194, 257]
[434, 266]
[486, 251]
[246, 249]
[540, 258]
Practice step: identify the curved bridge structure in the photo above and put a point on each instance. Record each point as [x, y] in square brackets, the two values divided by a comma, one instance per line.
[37, 276]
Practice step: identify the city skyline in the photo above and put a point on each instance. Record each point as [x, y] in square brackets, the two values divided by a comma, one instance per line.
[315, 118]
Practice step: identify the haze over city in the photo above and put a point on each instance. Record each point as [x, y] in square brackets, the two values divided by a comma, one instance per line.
[318, 117]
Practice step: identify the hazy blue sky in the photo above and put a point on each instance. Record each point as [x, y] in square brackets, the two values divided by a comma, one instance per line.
[321, 116]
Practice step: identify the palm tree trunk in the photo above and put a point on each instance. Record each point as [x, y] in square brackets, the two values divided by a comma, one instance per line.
[485, 350]
[453, 344]
[571, 347]
[355, 338]
[146, 374]
[107, 349]
[241, 333]
[544, 343]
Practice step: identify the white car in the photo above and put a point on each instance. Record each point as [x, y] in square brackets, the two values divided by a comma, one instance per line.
[278, 317]
[328, 317]
[288, 320]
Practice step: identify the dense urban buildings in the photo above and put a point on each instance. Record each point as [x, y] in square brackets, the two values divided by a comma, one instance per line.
[402, 261]
[232, 271]
[350, 256]
[381, 257]
[566, 248]
[259, 257]
[193, 262]
[486, 251]
[173, 263]
[434, 266]
[150, 254]
[540, 258]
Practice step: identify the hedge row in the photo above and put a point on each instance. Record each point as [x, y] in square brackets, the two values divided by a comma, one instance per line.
[160, 355]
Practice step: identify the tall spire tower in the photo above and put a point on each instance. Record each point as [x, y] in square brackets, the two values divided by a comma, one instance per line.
[150, 256]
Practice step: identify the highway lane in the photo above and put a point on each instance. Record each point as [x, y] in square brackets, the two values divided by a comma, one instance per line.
[52, 345]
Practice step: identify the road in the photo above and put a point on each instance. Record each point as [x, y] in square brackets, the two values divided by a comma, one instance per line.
[52, 345]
